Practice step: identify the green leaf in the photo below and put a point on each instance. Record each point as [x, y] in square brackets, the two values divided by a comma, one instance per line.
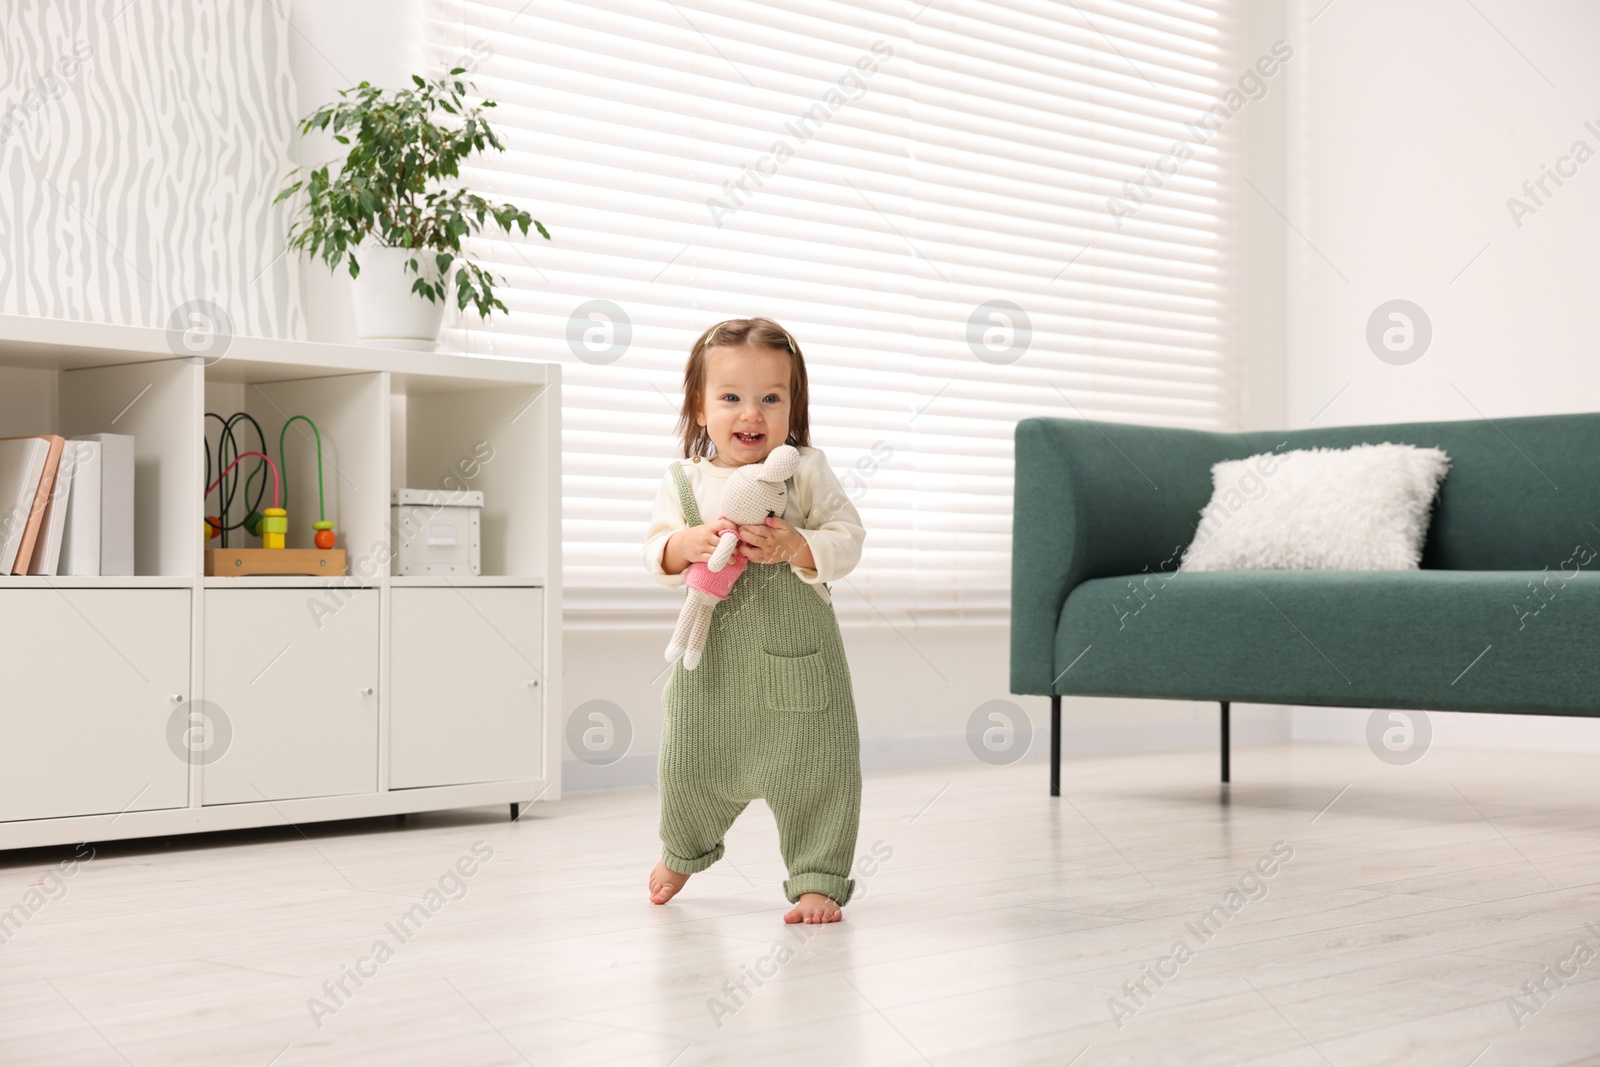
[415, 78]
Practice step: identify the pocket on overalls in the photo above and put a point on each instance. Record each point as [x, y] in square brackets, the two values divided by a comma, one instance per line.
[795, 683]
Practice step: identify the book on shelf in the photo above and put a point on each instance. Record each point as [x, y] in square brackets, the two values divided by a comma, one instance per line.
[68, 505]
[22, 464]
[80, 541]
[31, 474]
[47, 549]
[116, 500]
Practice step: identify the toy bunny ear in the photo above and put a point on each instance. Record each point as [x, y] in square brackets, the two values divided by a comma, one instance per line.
[781, 463]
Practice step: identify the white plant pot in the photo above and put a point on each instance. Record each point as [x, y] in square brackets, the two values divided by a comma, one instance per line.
[388, 314]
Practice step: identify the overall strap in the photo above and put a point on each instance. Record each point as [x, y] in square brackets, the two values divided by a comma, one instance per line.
[691, 511]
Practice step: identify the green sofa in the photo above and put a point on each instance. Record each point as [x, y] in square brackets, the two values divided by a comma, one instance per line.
[1502, 616]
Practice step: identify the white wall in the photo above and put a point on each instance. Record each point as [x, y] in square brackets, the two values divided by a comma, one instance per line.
[1411, 126]
[1262, 286]
[140, 149]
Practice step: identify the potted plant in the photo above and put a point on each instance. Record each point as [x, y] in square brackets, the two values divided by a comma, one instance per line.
[395, 197]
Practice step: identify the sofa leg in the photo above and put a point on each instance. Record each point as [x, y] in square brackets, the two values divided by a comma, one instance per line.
[1055, 745]
[1225, 743]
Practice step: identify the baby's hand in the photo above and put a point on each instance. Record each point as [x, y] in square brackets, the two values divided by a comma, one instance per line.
[697, 543]
[775, 541]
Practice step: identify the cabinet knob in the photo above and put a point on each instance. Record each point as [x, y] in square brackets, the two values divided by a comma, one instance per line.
[533, 683]
[177, 698]
[366, 690]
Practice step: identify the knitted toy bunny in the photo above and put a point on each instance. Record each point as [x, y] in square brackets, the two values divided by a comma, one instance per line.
[754, 492]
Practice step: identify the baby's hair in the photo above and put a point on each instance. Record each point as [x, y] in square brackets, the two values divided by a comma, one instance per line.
[736, 333]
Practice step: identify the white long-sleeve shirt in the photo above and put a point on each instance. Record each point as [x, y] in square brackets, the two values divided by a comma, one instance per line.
[818, 507]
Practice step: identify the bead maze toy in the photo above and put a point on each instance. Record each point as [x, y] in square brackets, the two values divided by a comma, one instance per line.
[271, 524]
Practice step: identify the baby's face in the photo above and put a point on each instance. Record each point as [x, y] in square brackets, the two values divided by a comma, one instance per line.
[746, 407]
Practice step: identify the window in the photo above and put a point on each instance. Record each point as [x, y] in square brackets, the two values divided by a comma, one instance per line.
[966, 213]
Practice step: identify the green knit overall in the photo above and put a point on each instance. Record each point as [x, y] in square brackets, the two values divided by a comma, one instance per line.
[768, 713]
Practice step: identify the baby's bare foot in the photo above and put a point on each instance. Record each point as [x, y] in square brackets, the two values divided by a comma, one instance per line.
[814, 908]
[665, 883]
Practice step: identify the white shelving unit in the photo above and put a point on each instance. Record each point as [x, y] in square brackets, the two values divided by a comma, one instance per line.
[335, 697]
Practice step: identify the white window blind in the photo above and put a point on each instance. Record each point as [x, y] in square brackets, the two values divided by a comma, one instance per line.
[967, 214]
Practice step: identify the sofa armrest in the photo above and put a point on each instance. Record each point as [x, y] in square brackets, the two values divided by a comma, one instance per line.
[1096, 500]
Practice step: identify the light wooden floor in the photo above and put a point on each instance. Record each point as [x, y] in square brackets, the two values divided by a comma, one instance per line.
[1415, 905]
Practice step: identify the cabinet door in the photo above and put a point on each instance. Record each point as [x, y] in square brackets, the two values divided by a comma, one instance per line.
[467, 673]
[295, 674]
[92, 678]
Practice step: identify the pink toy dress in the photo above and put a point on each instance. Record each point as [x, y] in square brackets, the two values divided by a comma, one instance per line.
[717, 583]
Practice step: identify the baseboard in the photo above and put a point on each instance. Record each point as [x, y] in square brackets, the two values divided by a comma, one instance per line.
[1258, 726]
[1459, 729]
[634, 769]
[1255, 724]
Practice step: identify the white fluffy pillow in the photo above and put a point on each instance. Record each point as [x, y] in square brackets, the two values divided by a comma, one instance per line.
[1359, 509]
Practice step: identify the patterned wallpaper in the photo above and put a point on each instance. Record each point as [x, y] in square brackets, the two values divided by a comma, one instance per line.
[141, 144]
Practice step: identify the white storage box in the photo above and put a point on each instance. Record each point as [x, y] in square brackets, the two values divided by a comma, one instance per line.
[435, 531]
